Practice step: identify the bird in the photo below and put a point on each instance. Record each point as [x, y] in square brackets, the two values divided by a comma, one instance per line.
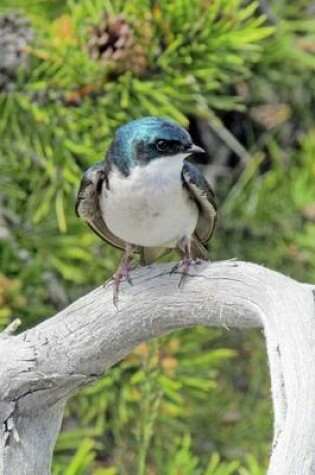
[146, 198]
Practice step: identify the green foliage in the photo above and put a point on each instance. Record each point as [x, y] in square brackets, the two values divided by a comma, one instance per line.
[195, 402]
[61, 115]
[275, 210]
[153, 391]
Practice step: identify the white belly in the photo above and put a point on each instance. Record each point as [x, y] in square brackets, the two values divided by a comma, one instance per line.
[150, 207]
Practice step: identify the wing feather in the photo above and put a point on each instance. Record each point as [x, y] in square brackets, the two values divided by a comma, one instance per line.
[201, 192]
[88, 203]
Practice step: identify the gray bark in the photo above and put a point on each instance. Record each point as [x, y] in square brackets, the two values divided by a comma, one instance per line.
[42, 367]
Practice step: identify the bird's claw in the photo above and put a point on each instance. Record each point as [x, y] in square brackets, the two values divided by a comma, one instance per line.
[184, 266]
[122, 274]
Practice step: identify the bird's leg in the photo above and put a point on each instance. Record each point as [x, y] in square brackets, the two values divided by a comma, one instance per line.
[122, 273]
[186, 262]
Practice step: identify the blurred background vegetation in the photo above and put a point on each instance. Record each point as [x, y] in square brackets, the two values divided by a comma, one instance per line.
[240, 76]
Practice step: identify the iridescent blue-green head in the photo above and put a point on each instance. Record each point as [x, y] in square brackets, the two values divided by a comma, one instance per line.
[146, 139]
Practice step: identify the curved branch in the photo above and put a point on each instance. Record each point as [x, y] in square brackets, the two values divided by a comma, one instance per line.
[44, 366]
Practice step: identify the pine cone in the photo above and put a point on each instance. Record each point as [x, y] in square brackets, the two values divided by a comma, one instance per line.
[113, 42]
[15, 34]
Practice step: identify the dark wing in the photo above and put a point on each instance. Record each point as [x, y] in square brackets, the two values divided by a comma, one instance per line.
[201, 192]
[88, 203]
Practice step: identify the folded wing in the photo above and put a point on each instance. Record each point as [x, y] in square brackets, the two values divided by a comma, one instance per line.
[201, 192]
[88, 203]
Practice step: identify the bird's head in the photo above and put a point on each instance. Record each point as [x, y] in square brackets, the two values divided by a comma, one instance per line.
[150, 138]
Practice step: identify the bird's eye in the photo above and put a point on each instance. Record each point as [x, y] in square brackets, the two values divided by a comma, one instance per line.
[161, 145]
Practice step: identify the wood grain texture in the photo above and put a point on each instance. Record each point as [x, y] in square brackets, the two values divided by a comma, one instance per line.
[42, 367]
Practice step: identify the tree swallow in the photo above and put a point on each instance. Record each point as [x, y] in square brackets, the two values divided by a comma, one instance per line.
[145, 197]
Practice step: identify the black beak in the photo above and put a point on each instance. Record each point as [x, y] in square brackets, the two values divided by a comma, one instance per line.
[195, 149]
[198, 155]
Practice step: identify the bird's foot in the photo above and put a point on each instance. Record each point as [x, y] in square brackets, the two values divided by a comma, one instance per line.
[122, 274]
[184, 266]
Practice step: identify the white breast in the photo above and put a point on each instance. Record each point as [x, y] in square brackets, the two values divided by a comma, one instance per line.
[150, 207]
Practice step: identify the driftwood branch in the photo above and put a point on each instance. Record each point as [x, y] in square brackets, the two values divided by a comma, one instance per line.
[42, 367]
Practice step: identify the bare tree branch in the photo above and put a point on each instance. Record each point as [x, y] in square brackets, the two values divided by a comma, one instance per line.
[42, 367]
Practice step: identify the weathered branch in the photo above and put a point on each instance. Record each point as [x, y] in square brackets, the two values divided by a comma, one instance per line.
[44, 366]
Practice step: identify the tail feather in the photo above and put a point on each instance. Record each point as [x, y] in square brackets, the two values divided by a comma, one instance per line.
[151, 254]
